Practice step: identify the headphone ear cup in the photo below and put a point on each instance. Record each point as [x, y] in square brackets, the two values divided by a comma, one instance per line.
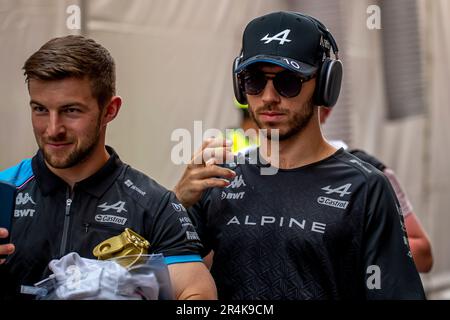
[333, 83]
[328, 85]
[320, 83]
[239, 93]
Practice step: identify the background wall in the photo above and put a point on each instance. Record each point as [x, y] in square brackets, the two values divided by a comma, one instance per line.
[174, 64]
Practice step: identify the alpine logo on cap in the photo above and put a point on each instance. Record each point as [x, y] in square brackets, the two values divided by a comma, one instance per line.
[281, 37]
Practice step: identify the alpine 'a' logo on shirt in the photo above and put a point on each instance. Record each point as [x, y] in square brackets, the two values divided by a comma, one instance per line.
[119, 206]
[341, 191]
[22, 199]
[277, 37]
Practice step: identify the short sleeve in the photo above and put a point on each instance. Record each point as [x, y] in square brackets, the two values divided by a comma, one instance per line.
[172, 233]
[198, 216]
[388, 264]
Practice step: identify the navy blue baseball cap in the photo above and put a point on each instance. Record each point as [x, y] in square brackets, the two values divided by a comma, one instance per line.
[289, 39]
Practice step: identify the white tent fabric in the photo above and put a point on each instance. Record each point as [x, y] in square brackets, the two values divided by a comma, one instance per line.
[24, 27]
[174, 67]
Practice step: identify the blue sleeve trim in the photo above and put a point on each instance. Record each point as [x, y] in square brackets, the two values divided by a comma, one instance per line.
[18, 174]
[181, 259]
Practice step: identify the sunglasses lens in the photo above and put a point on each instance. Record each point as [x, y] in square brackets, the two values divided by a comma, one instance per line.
[287, 84]
[254, 82]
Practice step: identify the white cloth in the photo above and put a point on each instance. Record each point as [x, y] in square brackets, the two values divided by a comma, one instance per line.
[86, 279]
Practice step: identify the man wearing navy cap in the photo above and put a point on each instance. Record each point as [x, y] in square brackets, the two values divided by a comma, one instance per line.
[325, 226]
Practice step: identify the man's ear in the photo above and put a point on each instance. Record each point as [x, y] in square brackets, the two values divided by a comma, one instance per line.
[324, 113]
[112, 109]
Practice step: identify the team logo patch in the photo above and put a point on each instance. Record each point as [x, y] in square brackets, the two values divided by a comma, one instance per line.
[341, 190]
[192, 236]
[24, 213]
[185, 221]
[232, 195]
[119, 206]
[332, 202]
[22, 199]
[281, 37]
[107, 218]
[178, 207]
[237, 182]
[132, 186]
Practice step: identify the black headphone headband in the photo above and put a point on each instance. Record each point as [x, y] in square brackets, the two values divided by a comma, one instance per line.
[325, 33]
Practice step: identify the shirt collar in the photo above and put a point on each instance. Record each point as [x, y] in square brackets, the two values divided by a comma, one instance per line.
[96, 184]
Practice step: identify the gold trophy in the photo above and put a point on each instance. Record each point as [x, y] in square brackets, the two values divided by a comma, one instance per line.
[128, 247]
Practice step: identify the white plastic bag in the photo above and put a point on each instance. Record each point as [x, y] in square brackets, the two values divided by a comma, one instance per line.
[79, 278]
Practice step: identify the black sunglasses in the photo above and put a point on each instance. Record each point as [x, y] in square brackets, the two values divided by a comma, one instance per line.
[287, 83]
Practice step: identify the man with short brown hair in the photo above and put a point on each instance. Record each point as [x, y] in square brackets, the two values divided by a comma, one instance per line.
[76, 192]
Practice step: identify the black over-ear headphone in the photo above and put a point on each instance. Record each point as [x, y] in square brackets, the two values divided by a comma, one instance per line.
[329, 77]
[238, 85]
